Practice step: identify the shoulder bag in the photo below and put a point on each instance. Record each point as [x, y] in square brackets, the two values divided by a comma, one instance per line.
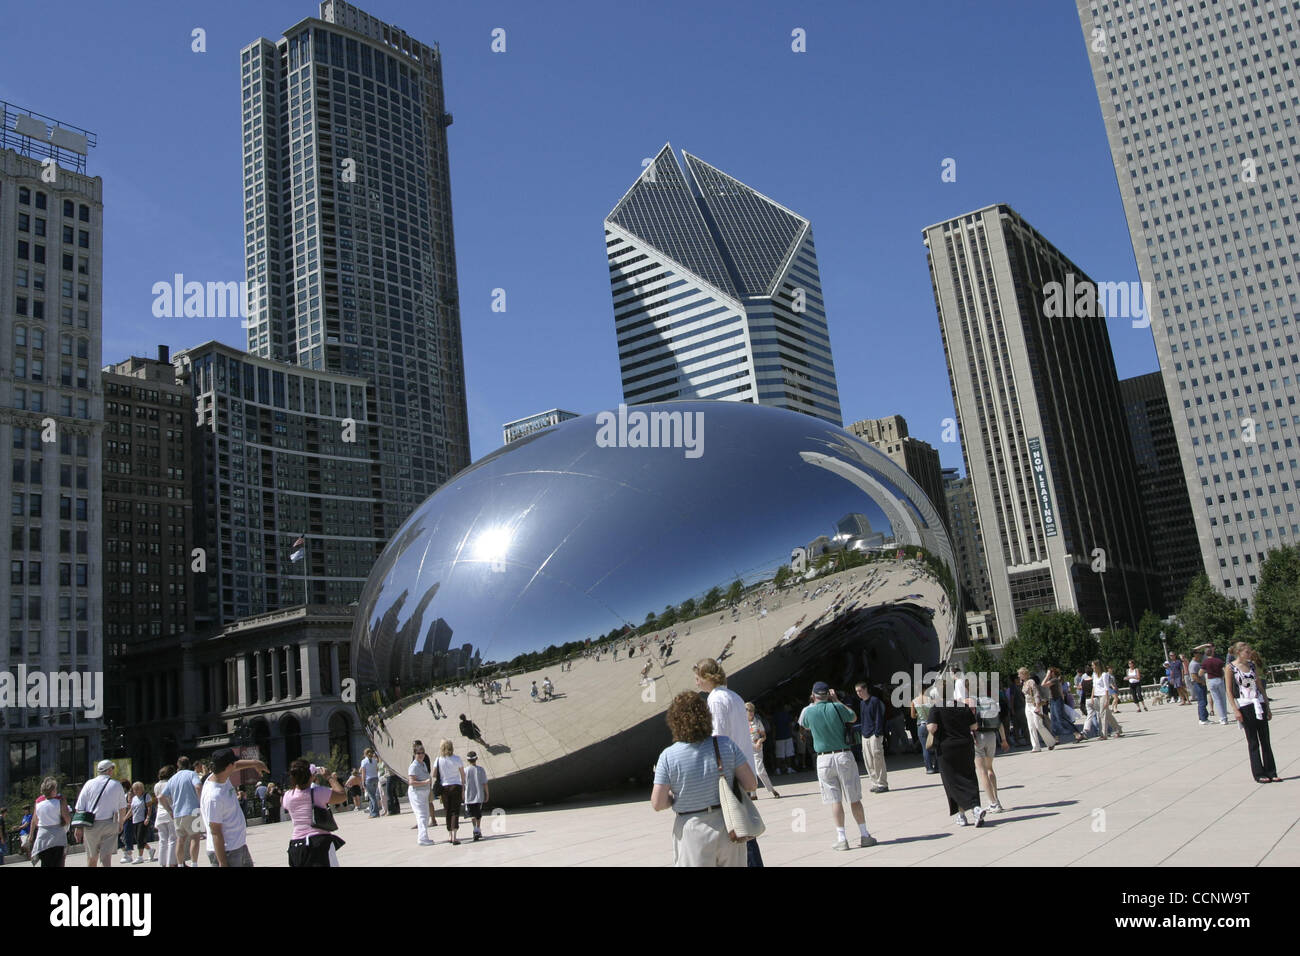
[86, 818]
[739, 815]
[322, 818]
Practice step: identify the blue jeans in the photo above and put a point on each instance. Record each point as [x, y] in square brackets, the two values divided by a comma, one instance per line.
[372, 794]
[752, 856]
[1219, 695]
[1061, 725]
[1199, 693]
[931, 758]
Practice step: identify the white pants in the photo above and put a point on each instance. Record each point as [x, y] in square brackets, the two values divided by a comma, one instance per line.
[1038, 728]
[761, 772]
[700, 839]
[166, 844]
[873, 755]
[1104, 716]
[419, 797]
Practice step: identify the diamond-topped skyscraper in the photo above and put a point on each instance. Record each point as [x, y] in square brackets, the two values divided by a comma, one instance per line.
[348, 232]
[717, 293]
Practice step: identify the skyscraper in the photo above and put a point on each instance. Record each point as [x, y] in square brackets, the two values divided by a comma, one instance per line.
[348, 232]
[1042, 430]
[919, 459]
[51, 423]
[1174, 547]
[286, 483]
[1200, 107]
[717, 293]
[967, 543]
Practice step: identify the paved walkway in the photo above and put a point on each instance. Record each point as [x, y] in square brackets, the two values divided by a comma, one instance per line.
[1159, 795]
[1169, 792]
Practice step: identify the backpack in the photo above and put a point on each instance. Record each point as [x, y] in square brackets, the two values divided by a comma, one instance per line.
[989, 713]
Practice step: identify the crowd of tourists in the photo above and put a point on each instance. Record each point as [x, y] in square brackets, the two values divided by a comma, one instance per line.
[719, 741]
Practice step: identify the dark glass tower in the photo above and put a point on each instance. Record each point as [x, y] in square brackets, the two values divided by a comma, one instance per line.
[348, 232]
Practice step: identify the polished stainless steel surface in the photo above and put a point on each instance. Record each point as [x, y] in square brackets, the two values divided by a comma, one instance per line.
[550, 558]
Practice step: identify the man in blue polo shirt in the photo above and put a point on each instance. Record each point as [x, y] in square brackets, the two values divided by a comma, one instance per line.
[837, 772]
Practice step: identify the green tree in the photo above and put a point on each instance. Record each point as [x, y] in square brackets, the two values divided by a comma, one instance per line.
[1275, 629]
[668, 618]
[1116, 648]
[1149, 650]
[712, 599]
[782, 575]
[735, 592]
[981, 661]
[1207, 616]
[688, 609]
[1063, 636]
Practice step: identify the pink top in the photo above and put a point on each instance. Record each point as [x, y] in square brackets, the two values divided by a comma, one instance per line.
[297, 804]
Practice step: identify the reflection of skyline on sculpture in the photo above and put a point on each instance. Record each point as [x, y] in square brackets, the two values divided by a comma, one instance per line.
[505, 536]
[802, 550]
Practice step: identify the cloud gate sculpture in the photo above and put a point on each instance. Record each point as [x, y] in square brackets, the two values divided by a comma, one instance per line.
[585, 568]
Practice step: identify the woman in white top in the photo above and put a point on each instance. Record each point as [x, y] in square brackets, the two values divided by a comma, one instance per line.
[451, 774]
[163, 821]
[758, 736]
[1249, 702]
[50, 825]
[1134, 676]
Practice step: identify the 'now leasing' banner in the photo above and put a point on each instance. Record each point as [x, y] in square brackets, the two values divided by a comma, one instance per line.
[1040, 484]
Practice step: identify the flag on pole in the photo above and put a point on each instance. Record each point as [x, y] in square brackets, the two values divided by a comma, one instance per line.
[299, 550]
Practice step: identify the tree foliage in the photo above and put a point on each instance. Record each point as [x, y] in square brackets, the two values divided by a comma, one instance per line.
[1208, 617]
[1275, 629]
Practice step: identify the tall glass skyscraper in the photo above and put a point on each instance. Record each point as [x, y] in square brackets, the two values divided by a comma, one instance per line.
[348, 232]
[1200, 106]
[717, 293]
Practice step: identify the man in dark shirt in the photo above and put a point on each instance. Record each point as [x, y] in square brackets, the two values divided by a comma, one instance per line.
[470, 729]
[1018, 718]
[871, 710]
[1212, 667]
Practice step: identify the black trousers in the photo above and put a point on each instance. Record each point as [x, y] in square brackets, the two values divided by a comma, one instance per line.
[1257, 739]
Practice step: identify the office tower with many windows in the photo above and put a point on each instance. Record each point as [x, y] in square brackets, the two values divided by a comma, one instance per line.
[968, 547]
[1042, 429]
[1174, 547]
[348, 232]
[288, 483]
[1200, 106]
[919, 459]
[148, 538]
[717, 293]
[51, 422]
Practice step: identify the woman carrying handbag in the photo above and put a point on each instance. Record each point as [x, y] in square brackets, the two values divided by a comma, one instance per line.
[686, 779]
[312, 842]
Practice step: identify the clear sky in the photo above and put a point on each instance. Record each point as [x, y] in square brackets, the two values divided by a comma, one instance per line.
[549, 134]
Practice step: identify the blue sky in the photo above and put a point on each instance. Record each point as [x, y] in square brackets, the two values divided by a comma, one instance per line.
[549, 134]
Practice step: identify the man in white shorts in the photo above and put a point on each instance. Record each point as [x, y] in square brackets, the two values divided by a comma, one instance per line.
[837, 770]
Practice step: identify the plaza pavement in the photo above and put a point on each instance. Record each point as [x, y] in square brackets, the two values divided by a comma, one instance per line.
[1169, 792]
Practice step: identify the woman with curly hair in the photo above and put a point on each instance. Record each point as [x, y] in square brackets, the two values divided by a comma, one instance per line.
[686, 779]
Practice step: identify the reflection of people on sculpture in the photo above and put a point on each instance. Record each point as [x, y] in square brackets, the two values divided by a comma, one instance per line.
[645, 671]
[727, 650]
[470, 729]
[437, 703]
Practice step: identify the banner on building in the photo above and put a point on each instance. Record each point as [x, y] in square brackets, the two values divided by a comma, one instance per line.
[1041, 487]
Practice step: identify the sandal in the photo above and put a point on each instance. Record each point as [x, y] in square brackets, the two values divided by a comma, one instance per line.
[1263, 780]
